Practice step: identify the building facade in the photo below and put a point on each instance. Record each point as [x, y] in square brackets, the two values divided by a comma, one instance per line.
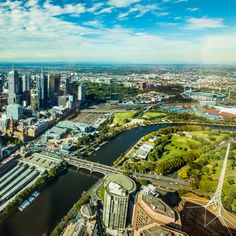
[26, 85]
[149, 209]
[54, 82]
[42, 91]
[15, 111]
[118, 190]
[81, 92]
[14, 88]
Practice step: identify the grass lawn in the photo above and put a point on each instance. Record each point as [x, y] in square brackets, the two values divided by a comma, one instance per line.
[207, 136]
[153, 115]
[179, 146]
[121, 118]
[229, 171]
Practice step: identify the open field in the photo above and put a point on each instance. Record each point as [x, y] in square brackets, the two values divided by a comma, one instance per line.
[121, 118]
[153, 115]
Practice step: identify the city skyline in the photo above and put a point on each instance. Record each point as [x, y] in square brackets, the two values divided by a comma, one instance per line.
[124, 31]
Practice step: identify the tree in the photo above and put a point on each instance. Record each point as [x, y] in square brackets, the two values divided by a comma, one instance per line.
[183, 173]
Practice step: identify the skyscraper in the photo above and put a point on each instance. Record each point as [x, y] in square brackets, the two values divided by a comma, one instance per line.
[42, 90]
[81, 92]
[14, 86]
[54, 82]
[118, 191]
[34, 101]
[26, 84]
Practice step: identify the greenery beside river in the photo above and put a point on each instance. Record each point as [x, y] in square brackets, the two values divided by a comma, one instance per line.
[40, 182]
[197, 154]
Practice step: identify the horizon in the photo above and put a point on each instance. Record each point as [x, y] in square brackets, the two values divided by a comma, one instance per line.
[101, 63]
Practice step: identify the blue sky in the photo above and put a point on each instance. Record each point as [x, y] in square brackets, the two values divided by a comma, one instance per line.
[132, 31]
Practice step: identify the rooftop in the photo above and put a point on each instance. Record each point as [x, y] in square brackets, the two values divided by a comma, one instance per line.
[120, 181]
[158, 205]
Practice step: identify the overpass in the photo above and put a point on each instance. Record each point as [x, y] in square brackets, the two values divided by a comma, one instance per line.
[163, 181]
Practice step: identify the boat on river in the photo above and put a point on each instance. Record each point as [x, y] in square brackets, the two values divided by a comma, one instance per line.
[27, 202]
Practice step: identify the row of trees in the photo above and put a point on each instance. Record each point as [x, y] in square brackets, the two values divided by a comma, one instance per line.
[167, 166]
[85, 140]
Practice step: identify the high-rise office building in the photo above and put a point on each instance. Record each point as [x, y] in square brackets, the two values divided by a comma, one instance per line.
[54, 90]
[14, 88]
[26, 84]
[81, 92]
[66, 86]
[42, 91]
[15, 111]
[62, 100]
[118, 191]
[34, 101]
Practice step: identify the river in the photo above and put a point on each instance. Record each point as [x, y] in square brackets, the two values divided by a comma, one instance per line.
[58, 197]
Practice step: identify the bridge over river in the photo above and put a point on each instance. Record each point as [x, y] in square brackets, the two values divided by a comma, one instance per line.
[162, 181]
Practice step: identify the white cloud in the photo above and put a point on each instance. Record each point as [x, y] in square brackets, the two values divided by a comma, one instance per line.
[193, 9]
[55, 10]
[139, 9]
[32, 3]
[163, 13]
[94, 23]
[177, 18]
[104, 10]
[122, 3]
[95, 7]
[204, 23]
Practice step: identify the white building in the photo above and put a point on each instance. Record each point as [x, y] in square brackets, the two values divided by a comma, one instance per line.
[15, 111]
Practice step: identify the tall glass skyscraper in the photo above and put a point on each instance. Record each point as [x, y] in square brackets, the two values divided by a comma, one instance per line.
[81, 92]
[42, 90]
[54, 82]
[14, 88]
[26, 85]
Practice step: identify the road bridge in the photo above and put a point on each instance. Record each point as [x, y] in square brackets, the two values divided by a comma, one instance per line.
[107, 170]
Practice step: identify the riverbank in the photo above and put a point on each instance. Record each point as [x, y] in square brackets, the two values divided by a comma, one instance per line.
[85, 197]
[50, 206]
[57, 197]
[38, 185]
[119, 130]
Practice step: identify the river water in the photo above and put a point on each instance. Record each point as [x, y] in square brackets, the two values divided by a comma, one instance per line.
[58, 197]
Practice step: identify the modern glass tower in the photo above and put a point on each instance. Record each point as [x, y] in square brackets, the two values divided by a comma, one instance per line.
[54, 82]
[26, 85]
[14, 88]
[81, 92]
[42, 90]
